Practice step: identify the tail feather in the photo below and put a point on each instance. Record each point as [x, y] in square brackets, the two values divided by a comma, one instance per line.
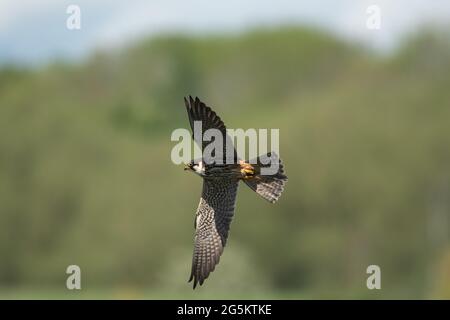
[268, 186]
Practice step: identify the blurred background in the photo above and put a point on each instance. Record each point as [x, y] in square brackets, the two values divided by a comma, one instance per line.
[86, 117]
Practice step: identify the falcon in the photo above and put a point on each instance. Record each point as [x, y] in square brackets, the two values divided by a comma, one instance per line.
[220, 184]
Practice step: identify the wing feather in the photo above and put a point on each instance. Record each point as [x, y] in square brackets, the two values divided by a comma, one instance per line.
[214, 213]
[199, 111]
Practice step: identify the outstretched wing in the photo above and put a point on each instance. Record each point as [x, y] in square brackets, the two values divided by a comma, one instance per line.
[213, 218]
[198, 111]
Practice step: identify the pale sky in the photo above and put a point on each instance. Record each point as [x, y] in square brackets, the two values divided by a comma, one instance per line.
[34, 31]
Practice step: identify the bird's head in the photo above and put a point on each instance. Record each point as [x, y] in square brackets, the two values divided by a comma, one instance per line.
[196, 166]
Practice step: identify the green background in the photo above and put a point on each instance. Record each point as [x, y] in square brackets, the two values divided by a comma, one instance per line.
[86, 176]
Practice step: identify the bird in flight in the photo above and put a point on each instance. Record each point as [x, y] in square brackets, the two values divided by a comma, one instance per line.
[220, 183]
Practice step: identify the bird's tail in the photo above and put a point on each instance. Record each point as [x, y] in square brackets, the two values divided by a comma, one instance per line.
[268, 178]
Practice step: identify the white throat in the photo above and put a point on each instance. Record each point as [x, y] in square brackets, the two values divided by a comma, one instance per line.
[200, 168]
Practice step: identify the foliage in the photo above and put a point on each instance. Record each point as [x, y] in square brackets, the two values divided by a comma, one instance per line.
[86, 176]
